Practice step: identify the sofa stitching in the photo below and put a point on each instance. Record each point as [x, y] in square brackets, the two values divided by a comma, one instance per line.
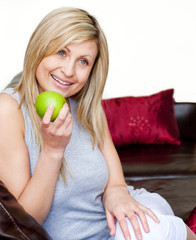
[11, 218]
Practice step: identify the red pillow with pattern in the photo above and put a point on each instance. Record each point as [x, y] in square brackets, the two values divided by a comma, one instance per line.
[143, 120]
[191, 220]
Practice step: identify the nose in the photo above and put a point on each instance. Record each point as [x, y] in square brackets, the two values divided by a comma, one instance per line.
[68, 68]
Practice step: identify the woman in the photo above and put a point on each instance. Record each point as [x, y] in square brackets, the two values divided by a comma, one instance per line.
[66, 173]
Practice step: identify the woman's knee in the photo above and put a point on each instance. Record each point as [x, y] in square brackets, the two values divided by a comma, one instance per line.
[155, 201]
[169, 228]
[154, 230]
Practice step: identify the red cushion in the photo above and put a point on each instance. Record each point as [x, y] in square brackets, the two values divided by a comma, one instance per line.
[191, 221]
[143, 120]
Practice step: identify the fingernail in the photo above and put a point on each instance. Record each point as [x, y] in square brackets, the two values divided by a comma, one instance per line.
[139, 237]
[51, 106]
[147, 229]
[69, 115]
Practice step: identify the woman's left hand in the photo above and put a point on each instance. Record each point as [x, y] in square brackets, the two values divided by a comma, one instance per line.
[119, 204]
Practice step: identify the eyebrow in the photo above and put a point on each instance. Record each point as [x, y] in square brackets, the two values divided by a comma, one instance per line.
[82, 56]
[86, 56]
[67, 49]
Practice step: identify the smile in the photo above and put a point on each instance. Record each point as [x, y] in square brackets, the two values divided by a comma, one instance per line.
[60, 81]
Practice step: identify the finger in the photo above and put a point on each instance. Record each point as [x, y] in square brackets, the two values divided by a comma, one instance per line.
[151, 214]
[62, 116]
[111, 223]
[68, 125]
[141, 214]
[135, 224]
[63, 112]
[124, 227]
[47, 116]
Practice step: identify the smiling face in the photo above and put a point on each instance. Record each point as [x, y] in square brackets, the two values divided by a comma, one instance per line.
[67, 71]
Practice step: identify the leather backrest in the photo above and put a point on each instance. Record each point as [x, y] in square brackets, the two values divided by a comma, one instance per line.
[185, 113]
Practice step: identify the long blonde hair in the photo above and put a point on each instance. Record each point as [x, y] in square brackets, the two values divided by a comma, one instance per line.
[59, 28]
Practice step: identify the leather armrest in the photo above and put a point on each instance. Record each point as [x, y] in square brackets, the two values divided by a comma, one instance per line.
[15, 223]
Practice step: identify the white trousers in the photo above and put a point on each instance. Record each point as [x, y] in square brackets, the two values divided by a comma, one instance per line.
[170, 226]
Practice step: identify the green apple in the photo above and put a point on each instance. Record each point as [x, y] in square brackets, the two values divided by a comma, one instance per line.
[49, 98]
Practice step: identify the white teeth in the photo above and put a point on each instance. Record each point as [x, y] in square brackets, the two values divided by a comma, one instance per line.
[60, 81]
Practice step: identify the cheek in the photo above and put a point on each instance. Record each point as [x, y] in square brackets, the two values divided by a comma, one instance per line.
[84, 76]
[41, 74]
[45, 66]
[83, 81]
[40, 70]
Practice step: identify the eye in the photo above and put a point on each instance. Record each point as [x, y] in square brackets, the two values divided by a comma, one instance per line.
[84, 62]
[61, 53]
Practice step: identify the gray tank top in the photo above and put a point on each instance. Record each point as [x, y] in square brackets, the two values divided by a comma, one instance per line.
[77, 211]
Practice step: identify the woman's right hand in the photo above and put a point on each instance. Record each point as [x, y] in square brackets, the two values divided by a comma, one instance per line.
[56, 135]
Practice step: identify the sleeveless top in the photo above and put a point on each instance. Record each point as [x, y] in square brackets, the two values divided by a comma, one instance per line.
[77, 212]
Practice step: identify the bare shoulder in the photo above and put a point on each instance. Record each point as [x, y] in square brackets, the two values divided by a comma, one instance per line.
[10, 112]
[7, 101]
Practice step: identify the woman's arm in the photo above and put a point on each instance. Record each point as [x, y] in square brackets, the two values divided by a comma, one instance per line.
[35, 193]
[116, 198]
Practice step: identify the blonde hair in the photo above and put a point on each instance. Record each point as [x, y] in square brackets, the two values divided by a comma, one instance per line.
[58, 29]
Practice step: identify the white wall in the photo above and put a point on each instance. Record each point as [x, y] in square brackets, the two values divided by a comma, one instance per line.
[152, 43]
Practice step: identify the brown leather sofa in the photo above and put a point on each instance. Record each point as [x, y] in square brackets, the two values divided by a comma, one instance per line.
[169, 170]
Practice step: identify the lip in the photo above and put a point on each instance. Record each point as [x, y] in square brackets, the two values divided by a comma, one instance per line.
[61, 79]
[59, 82]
